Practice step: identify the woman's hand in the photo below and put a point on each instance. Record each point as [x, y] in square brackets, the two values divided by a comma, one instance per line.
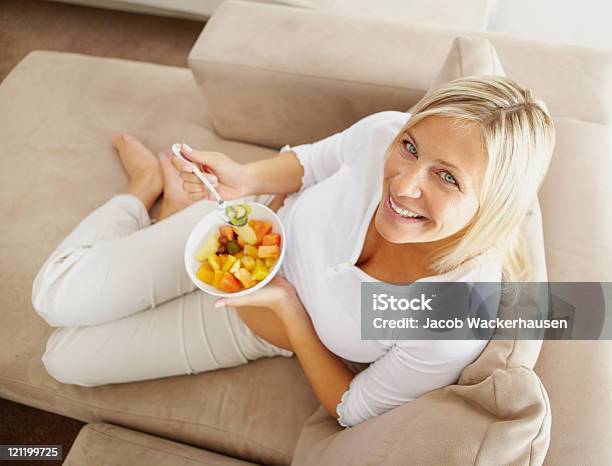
[227, 176]
[278, 295]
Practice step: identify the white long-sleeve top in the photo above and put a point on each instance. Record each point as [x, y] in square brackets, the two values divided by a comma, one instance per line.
[325, 226]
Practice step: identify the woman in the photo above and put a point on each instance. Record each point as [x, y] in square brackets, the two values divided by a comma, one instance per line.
[438, 195]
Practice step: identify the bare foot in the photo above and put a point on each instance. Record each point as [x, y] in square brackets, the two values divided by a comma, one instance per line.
[174, 197]
[142, 167]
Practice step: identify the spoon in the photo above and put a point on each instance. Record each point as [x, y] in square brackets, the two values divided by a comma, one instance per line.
[221, 204]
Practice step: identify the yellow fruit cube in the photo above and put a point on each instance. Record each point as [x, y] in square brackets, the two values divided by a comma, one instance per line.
[213, 259]
[260, 271]
[246, 233]
[209, 248]
[206, 273]
[245, 277]
[217, 279]
[248, 263]
[270, 261]
[228, 263]
[236, 266]
[269, 251]
[251, 251]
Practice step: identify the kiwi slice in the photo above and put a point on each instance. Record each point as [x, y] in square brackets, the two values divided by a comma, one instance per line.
[238, 214]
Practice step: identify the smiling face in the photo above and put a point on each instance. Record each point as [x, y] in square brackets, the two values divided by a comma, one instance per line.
[435, 170]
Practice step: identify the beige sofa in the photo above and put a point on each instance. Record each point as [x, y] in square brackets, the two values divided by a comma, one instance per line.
[267, 86]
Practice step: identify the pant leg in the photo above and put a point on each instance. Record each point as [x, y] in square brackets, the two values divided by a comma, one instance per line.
[186, 335]
[115, 263]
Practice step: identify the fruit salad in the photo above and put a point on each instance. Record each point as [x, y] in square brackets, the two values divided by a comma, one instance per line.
[235, 258]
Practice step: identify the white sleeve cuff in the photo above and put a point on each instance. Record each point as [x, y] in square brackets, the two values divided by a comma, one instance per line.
[302, 152]
[340, 409]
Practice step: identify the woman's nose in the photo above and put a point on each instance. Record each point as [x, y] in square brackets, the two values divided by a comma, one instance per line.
[409, 184]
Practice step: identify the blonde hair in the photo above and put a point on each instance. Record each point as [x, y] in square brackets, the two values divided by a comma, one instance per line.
[518, 135]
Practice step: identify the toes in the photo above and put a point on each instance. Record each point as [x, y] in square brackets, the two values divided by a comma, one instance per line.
[119, 140]
[169, 169]
[122, 140]
[179, 166]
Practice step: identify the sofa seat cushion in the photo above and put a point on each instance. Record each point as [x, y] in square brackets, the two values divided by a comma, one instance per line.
[105, 444]
[58, 113]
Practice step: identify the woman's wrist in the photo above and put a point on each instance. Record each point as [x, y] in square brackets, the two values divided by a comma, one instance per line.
[275, 175]
[249, 180]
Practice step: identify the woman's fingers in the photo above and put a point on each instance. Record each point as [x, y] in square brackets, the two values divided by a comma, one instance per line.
[194, 187]
[195, 197]
[186, 150]
[190, 177]
[176, 163]
[197, 185]
[200, 157]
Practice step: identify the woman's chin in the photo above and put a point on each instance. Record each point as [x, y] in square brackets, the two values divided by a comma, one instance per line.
[393, 232]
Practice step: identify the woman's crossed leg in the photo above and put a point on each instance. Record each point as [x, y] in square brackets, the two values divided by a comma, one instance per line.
[118, 290]
[115, 262]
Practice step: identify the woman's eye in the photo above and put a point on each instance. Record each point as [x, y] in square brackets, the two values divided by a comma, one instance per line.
[446, 176]
[409, 146]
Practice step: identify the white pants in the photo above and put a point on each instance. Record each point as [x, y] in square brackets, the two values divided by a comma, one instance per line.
[126, 309]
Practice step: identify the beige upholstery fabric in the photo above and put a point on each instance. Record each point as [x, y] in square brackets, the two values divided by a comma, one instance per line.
[469, 56]
[457, 425]
[260, 90]
[108, 445]
[58, 113]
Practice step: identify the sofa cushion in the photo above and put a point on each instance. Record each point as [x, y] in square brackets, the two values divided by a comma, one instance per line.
[105, 444]
[497, 413]
[58, 114]
[469, 56]
[492, 422]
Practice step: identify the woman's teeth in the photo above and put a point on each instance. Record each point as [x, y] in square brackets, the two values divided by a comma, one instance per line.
[403, 212]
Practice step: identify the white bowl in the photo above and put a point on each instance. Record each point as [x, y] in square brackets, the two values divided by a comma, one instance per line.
[205, 227]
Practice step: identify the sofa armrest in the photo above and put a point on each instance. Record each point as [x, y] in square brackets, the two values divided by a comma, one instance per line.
[275, 75]
[505, 419]
[101, 443]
